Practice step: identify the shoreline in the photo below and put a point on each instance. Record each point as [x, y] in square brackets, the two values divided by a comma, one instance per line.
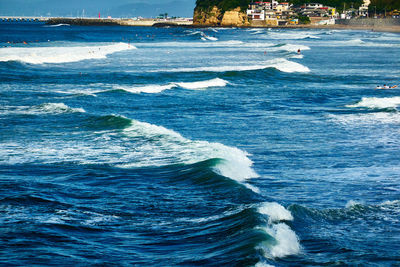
[189, 24]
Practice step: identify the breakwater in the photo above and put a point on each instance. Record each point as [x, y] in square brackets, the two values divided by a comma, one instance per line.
[112, 22]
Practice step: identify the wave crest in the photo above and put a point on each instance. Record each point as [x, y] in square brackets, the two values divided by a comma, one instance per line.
[155, 88]
[41, 55]
[377, 103]
[280, 64]
[46, 108]
[164, 147]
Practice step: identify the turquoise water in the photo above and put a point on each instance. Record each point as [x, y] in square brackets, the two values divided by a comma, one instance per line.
[178, 146]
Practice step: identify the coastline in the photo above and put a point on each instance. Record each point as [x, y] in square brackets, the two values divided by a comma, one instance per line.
[376, 28]
[189, 24]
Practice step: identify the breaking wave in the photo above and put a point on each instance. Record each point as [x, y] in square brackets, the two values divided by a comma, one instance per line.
[217, 82]
[285, 241]
[56, 25]
[152, 89]
[149, 89]
[46, 108]
[367, 119]
[140, 144]
[377, 103]
[293, 35]
[41, 55]
[280, 64]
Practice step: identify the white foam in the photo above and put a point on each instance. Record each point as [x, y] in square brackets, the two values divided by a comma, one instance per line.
[41, 55]
[193, 33]
[368, 119]
[57, 25]
[293, 35]
[390, 203]
[217, 82]
[211, 38]
[275, 212]
[297, 56]
[281, 64]
[287, 242]
[140, 145]
[361, 43]
[289, 66]
[46, 108]
[155, 88]
[165, 146]
[149, 89]
[375, 102]
[230, 43]
[351, 203]
[292, 47]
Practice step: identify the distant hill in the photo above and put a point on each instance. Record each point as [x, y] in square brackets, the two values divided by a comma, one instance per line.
[91, 8]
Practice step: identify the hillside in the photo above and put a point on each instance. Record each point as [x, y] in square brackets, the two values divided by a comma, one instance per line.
[225, 5]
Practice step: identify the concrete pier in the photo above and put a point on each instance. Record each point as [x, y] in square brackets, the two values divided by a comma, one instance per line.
[23, 19]
[121, 22]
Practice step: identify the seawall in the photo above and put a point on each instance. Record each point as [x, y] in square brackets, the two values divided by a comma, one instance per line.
[113, 22]
[379, 22]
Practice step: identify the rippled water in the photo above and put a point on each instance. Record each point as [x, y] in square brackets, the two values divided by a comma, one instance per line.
[177, 146]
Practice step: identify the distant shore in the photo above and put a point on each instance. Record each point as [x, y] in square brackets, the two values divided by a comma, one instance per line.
[393, 28]
[189, 24]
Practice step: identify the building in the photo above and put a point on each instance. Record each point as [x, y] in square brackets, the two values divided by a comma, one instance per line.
[256, 14]
[275, 13]
[363, 10]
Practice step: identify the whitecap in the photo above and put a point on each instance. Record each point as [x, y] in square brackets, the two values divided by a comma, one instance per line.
[46, 108]
[275, 212]
[57, 25]
[149, 89]
[286, 241]
[155, 88]
[217, 82]
[54, 54]
[368, 119]
[375, 102]
[139, 145]
[165, 147]
[281, 64]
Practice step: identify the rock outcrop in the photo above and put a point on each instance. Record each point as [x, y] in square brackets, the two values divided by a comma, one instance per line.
[235, 18]
[212, 17]
[216, 17]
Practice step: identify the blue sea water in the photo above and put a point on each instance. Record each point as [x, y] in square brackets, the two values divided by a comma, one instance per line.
[214, 146]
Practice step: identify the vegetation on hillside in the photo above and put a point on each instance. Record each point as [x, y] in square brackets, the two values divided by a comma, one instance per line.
[338, 4]
[382, 5]
[225, 5]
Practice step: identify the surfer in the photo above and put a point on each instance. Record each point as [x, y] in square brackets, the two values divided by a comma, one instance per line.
[298, 51]
[385, 86]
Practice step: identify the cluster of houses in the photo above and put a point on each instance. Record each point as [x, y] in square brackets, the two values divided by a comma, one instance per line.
[275, 13]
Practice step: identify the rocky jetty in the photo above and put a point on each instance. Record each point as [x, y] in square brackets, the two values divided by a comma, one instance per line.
[82, 21]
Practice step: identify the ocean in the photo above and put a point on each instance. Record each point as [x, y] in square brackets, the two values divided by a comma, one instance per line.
[140, 146]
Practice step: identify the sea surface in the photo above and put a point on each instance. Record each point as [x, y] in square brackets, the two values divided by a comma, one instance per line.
[124, 146]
